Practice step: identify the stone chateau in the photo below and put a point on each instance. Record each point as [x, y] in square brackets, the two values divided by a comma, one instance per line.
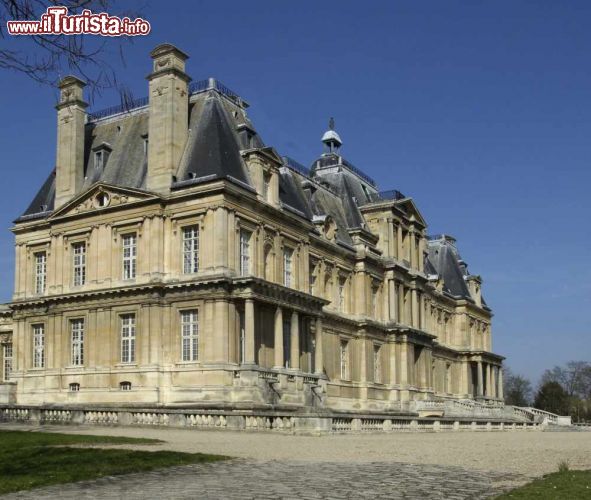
[173, 260]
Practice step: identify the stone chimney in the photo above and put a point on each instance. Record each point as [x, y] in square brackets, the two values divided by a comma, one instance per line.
[71, 119]
[475, 286]
[169, 115]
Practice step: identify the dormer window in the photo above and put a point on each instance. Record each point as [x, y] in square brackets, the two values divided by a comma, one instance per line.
[266, 186]
[98, 160]
[101, 155]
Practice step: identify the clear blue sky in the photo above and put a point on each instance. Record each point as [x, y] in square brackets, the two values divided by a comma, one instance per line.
[481, 111]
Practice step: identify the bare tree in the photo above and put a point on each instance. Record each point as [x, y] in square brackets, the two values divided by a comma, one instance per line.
[575, 378]
[47, 58]
[517, 389]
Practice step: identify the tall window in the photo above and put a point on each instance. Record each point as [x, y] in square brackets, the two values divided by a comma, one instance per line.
[342, 283]
[286, 342]
[242, 341]
[79, 252]
[128, 338]
[190, 249]
[266, 184]
[190, 335]
[7, 354]
[377, 365]
[245, 252]
[38, 346]
[77, 329]
[129, 256]
[287, 265]
[344, 360]
[98, 159]
[40, 272]
[374, 302]
[312, 279]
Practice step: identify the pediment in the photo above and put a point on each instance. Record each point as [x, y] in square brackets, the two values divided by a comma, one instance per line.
[102, 196]
[412, 211]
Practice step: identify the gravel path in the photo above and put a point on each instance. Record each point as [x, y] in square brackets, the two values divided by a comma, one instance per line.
[399, 465]
[245, 479]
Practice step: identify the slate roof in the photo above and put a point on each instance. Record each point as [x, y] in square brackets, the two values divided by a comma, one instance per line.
[218, 131]
[444, 260]
[213, 146]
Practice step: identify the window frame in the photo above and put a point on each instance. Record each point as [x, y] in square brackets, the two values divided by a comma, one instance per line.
[288, 254]
[190, 335]
[342, 293]
[81, 265]
[190, 256]
[38, 345]
[40, 272]
[127, 338]
[244, 253]
[77, 341]
[129, 272]
[344, 358]
[7, 360]
[377, 364]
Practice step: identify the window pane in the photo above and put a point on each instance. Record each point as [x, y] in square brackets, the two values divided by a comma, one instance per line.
[77, 326]
[40, 272]
[189, 335]
[128, 338]
[38, 346]
[129, 256]
[245, 252]
[190, 249]
[79, 253]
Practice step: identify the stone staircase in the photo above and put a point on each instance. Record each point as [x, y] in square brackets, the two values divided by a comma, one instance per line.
[469, 408]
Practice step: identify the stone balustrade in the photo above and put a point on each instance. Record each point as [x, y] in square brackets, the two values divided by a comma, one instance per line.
[264, 421]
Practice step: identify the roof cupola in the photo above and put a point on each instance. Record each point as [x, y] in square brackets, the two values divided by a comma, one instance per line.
[331, 139]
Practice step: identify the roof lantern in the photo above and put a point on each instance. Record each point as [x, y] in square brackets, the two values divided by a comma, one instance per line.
[331, 139]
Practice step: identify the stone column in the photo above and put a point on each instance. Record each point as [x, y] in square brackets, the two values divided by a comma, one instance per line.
[249, 340]
[401, 309]
[403, 364]
[393, 363]
[278, 347]
[479, 379]
[318, 354]
[294, 361]
[500, 386]
[393, 304]
[363, 360]
[414, 308]
[488, 380]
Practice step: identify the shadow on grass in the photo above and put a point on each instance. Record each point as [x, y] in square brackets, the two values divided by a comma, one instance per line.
[33, 459]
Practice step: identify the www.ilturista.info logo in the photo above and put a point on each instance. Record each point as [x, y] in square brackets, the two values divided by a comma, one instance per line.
[56, 21]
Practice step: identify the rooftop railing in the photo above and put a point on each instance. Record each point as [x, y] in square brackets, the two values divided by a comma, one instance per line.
[359, 172]
[295, 165]
[121, 108]
[194, 88]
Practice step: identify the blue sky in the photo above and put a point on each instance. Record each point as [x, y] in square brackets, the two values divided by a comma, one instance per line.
[481, 111]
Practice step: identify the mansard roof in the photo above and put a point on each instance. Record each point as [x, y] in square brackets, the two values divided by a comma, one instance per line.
[219, 132]
[444, 260]
[214, 143]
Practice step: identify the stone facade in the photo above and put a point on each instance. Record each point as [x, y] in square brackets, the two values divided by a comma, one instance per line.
[173, 260]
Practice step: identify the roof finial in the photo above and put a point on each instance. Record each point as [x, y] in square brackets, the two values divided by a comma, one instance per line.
[331, 139]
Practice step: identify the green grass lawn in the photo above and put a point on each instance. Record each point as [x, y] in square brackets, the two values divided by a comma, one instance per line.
[568, 485]
[33, 459]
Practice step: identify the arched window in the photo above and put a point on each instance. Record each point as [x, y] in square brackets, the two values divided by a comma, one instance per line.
[125, 386]
[74, 387]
